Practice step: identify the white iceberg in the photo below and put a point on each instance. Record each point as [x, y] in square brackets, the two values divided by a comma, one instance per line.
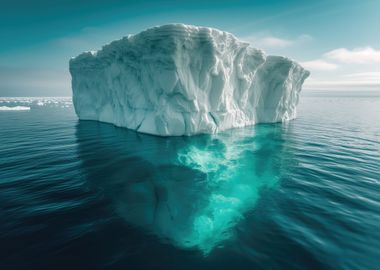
[179, 79]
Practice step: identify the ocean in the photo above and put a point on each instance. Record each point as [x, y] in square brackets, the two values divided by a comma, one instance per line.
[87, 195]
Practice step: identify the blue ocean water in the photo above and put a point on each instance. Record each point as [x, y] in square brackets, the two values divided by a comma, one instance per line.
[88, 195]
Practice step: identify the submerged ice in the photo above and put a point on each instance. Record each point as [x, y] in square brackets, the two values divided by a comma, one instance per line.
[234, 178]
[189, 191]
[182, 80]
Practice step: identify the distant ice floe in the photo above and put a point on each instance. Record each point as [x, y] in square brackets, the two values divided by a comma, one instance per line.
[14, 108]
[29, 103]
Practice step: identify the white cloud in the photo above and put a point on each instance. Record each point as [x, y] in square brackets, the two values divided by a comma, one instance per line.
[354, 56]
[266, 42]
[341, 84]
[342, 68]
[353, 81]
[319, 64]
[304, 38]
[274, 42]
[365, 76]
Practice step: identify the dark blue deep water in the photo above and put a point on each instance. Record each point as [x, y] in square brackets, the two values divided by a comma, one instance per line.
[87, 195]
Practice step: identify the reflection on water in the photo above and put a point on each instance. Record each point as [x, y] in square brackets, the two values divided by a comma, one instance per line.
[189, 191]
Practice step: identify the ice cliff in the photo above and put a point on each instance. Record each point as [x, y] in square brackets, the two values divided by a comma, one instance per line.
[179, 79]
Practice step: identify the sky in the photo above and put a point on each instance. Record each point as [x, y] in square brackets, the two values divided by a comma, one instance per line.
[337, 40]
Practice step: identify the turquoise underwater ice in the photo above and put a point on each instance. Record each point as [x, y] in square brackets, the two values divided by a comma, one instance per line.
[191, 192]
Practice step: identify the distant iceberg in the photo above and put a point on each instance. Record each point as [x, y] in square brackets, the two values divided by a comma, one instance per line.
[178, 79]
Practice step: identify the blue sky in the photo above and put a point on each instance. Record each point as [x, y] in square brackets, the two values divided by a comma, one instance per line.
[338, 41]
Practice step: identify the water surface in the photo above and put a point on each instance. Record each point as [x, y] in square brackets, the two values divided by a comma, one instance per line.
[298, 195]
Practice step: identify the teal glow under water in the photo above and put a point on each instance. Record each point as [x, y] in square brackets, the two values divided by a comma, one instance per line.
[234, 173]
[303, 194]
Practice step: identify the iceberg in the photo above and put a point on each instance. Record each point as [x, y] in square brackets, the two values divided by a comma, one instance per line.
[178, 79]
